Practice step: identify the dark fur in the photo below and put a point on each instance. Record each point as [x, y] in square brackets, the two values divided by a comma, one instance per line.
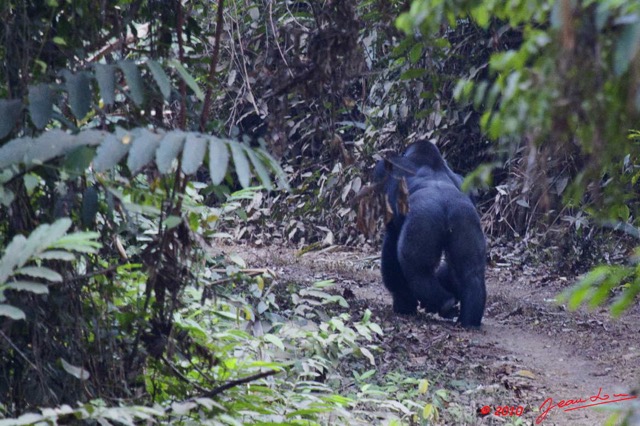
[440, 219]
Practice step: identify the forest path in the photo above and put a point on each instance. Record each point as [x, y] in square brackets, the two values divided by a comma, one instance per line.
[529, 348]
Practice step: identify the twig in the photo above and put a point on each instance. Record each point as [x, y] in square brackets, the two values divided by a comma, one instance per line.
[214, 392]
[234, 383]
[206, 106]
[17, 349]
[275, 39]
[182, 114]
[181, 376]
[94, 273]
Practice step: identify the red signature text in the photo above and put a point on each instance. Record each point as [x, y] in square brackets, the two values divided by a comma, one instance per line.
[577, 404]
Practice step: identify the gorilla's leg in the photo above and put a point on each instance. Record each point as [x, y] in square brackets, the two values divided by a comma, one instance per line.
[404, 302]
[447, 281]
[465, 252]
[446, 278]
[419, 249]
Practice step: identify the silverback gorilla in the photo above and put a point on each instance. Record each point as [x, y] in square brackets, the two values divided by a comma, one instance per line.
[439, 219]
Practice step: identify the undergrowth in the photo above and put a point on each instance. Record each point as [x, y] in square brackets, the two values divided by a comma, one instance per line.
[242, 359]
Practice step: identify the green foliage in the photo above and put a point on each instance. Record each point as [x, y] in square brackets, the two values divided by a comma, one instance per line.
[106, 78]
[597, 287]
[242, 359]
[79, 93]
[40, 104]
[10, 111]
[191, 82]
[140, 144]
[45, 243]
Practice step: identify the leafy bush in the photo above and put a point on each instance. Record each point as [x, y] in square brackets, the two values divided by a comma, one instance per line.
[233, 361]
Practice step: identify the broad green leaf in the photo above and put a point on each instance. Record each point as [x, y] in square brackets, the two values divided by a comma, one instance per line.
[428, 411]
[78, 160]
[261, 170]
[481, 15]
[580, 292]
[209, 404]
[366, 317]
[404, 23]
[79, 90]
[415, 54]
[91, 137]
[367, 353]
[6, 196]
[134, 81]
[106, 77]
[626, 48]
[218, 160]
[275, 168]
[41, 238]
[15, 151]
[40, 104]
[275, 340]
[36, 288]
[12, 257]
[195, 147]
[77, 372]
[191, 82]
[143, 150]
[10, 110]
[602, 15]
[111, 151]
[238, 260]
[161, 78]
[602, 292]
[84, 242]
[56, 255]
[170, 147]
[172, 221]
[376, 329]
[11, 312]
[40, 272]
[48, 145]
[182, 408]
[324, 284]
[413, 73]
[31, 182]
[240, 163]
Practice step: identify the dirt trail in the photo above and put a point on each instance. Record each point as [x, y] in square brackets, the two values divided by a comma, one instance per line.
[529, 348]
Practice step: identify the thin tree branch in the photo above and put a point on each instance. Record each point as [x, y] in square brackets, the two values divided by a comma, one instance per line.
[206, 106]
[182, 114]
[94, 273]
[234, 383]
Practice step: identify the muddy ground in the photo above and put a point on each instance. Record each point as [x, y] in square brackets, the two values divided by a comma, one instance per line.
[529, 349]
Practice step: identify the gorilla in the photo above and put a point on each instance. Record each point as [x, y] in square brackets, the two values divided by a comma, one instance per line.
[430, 215]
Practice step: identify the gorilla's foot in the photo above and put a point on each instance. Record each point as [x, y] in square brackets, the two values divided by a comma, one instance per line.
[405, 306]
[449, 309]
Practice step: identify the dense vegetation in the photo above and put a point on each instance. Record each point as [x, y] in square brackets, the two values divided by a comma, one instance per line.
[135, 135]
